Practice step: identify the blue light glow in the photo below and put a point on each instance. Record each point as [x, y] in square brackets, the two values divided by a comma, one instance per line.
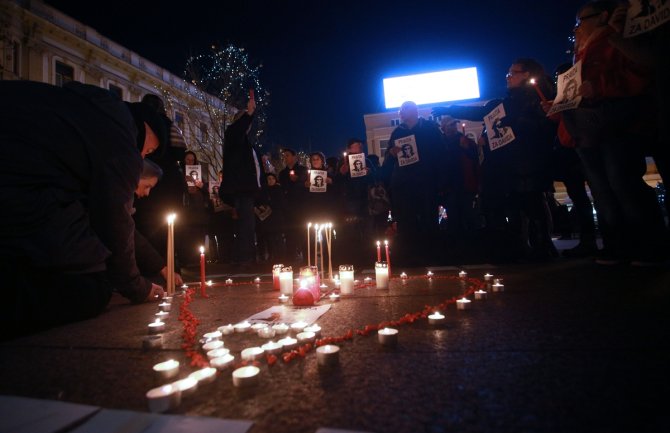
[432, 87]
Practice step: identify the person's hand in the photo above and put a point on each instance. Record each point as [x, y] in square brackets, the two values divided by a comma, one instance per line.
[344, 169]
[546, 105]
[394, 151]
[177, 278]
[293, 176]
[199, 184]
[307, 183]
[155, 294]
[586, 89]
[465, 142]
[329, 180]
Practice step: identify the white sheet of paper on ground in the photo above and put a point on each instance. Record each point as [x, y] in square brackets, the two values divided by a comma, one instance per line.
[288, 314]
[30, 415]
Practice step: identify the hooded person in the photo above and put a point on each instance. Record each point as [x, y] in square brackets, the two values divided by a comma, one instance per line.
[71, 159]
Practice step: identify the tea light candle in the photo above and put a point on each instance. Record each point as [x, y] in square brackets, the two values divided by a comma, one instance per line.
[298, 327]
[367, 280]
[167, 369]
[184, 287]
[210, 283]
[156, 327]
[286, 280]
[388, 336]
[382, 275]
[463, 304]
[258, 326]
[229, 281]
[327, 355]
[165, 306]
[498, 287]
[316, 329]
[462, 275]
[204, 375]
[306, 337]
[163, 398]
[436, 318]
[498, 280]
[242, 326]
[488, 277]
[215, 335]
[167, 299]
[257, 280]
[226, 329]
[252, 353]
[246, 376]
[334, 297]
[217, 353]
[266, 332]
[186, 386]
[481, 295]
[222, 362]
[346, 279]
[162, 315]
[283, 299]
[280, 328]
[288, 343]
[272, 347]
[152, 341]
[212, 345]
[403, 275]
[429, 274]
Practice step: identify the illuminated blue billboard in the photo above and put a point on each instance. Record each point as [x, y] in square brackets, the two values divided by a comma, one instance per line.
[432, 87]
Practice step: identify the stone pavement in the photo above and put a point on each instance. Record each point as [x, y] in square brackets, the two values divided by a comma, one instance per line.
[569, 346]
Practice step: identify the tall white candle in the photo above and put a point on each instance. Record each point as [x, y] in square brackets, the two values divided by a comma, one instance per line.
[309, 260]
[170, 255]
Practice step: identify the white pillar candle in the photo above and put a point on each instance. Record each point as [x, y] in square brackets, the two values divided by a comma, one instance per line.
[498, 287]
[217, 353]
[286, 281]
[156, 327]
[481, 295]
[316, 329]
[165, 306]
[222, 362]
[266, 332]
[327, 355]
[252, 353]
[167, 369]
[463, 304]
[272, 347]
[462, 274]
[388, 336]
[346, 279]
[280, 328]
[246, 376]
[212, 345]
[242, 326]
[152, 341]
[226, 329]
[186, 386]
[306, 337]
[436, 318]
[289, 343]
[382, 275]
[163, 398]
[204, 375]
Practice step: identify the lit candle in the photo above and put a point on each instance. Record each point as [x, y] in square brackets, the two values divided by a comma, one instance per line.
[242, 326]
[538, 90]
[367, 280]
[246, 376]
[257, 280]
[280, 328]
[276, 270]
[382, 275]
[203, 290]
[298, 326]
[170, 255]
[212, 345]
[167, 369]
[266, 332]
[462, 275]
[488, 277]
[329, 239]
[204, 375]
[436, 318]
[161, 315]
[346, 279]
[316, 236]
[463, 127]
[252, 353]
[463, 304]
[403, 275]
[498, 280]
[156, 327]
[186, 386]
[498, 287]
[272, 347]
[388, 336]
[321, 235]
[152, 342]
[226, 329]
[215, 335]
[379, 251]
[480, 295]
[327, 355]
[306, 337]
[217, 353]
[303, 296]
[286, 280]
[309, 260]
[165, 306]
[283, 299]
[316, 329]
[163, 398]
[288, 343]
[229, 281]
[429, 274]
[388, 256]
[334, 297]
[222, 362]
[258, 326]
[167, 299]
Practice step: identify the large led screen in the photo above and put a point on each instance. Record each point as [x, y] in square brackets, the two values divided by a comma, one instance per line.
[432, 87]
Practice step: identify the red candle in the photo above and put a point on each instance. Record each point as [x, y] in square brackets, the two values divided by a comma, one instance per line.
[379, 252]
[251, 94]
[388, 257]
[463, 127]
[276, 269]
[202, 272]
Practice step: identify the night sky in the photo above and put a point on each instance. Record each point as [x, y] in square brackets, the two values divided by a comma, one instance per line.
[324, 61]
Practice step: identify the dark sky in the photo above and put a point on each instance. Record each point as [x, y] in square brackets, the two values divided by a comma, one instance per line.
[324, 61]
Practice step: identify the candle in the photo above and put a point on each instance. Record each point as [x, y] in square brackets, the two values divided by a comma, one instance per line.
[251, 95]
[246, 376]
[329, 239]
[488, 277]
[217, 353]
[367, 280]
[497, 287]
[288, 343]
[156, 327]
[280, 328]
[298, 326]
[266, 332]
[309, 260]
[184, 287]
[167, 299]
[203, 291]
[252, 353]
[403, 275]
[272, 347]
[257, 280]
[306, 337]
[346, 279]
[165, 306]
[334, 297]
[463, 128]
[163, 398]
[436, 318]
[382, 275]
[283, 299]
[226, 329]
[309, 279]
[242, 326]
[463, 304]
[170, 255]
[229, 281]
[222, 362]
[161, 315]
[321, 250]
[258, 326]
[498, 280]
[204, 375]
[303, 296]
[186, 386]
[480, 295]
[276, 270]
[167, 369]
[429, 274]
[316, 236]
[152, 341]
[327, 355]
[286, 280]
[212, 345]
[316, 329]
[379, 252]
[538, 90]
[462, 275]
[388, 256]
[209, 336]
[388, 336]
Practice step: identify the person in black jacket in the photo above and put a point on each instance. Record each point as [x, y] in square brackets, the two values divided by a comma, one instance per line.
[241, 181]
[71, 160]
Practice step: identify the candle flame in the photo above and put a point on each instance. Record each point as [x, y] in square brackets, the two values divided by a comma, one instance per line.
[171, 217]
[309, 225]
[202, 250]
[532, 81]
[378, 243]
[386, 242]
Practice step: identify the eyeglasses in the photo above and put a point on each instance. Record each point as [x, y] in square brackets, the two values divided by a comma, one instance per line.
[512, 73]
[586, 17]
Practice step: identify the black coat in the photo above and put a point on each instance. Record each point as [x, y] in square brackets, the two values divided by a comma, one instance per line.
[241, 171]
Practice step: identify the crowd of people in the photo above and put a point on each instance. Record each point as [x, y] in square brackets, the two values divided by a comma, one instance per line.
[85, 208]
